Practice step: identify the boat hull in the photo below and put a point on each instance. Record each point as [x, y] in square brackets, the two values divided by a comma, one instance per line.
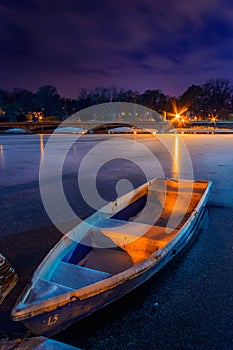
[52, 322]
[35, 343]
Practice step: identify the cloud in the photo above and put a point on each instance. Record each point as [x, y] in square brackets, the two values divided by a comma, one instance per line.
[114, 42]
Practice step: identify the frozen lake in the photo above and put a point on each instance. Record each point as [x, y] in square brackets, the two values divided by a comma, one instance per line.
[194, 292]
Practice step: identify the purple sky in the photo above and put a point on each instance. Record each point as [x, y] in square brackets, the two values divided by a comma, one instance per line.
[137, 44]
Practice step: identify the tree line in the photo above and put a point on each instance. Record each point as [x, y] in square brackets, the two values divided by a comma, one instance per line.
[211, 99]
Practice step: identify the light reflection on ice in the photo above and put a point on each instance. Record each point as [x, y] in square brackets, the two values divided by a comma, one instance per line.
[2, 159]
[176, 157]
[41, 145]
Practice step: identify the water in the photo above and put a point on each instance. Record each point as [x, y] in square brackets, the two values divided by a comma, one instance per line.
[187, 305]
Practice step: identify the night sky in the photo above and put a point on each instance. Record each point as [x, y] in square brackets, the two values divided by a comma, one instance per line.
[136, 44]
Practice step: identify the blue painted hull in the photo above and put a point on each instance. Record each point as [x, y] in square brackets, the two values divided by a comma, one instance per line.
[36, 343]
[52, 322]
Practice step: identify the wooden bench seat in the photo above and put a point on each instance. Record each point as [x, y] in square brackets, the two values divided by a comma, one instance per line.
[75, 276]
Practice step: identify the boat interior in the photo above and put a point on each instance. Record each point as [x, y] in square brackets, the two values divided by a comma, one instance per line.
[125, 239]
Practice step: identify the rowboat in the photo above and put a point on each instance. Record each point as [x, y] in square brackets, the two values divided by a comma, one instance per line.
[112, 252]
[8, 277]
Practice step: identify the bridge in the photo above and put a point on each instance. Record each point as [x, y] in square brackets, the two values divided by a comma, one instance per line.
[50, 126]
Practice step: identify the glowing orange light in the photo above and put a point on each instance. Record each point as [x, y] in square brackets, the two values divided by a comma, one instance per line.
[178, 113]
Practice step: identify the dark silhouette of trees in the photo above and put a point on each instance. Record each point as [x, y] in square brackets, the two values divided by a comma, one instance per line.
[153, 99]
[23, 100]
[192, 100]
[48, 101]
[216, 97]
[213, 98]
